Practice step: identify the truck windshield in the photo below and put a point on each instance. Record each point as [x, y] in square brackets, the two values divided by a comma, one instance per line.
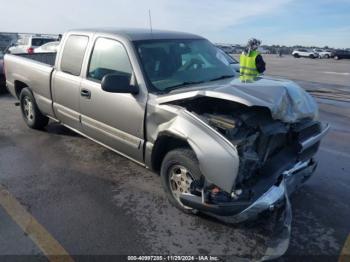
[173, 64]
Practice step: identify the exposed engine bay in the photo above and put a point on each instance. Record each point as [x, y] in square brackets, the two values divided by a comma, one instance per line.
[264, 145]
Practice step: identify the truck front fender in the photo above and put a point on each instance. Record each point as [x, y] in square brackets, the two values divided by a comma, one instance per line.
[218, 158]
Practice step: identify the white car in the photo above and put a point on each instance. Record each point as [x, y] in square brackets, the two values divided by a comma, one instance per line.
[2, 73]
[27, 45]
[234, 64]
[301, 52]
[263, 50]
[323, 53]
[228, 49]
[50, 47]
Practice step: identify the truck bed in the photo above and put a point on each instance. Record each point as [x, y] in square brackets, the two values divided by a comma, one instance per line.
[45, 58]
[34, 71]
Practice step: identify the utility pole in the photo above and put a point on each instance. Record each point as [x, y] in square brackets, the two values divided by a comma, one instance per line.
[150, 20]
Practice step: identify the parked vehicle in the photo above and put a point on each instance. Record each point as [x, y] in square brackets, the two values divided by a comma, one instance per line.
[226, 48]
[323, 53]
[304, 53]
[6, 39]
[262, 50]
[2, 73]
[168, 102]
[238, 49]
[230, 60]
[48, 47]
[28, 44]
[341, 54]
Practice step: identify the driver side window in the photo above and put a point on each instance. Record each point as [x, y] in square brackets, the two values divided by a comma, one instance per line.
[108, 57]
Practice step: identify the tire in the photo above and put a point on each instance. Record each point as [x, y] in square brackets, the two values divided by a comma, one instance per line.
[296, 55]
[174, 165]
[3, 88]
[326, 56]
[30, 111]
[336, 57]
[312, 56]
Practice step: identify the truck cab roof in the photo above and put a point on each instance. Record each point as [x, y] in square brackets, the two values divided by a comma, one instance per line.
[139, 34]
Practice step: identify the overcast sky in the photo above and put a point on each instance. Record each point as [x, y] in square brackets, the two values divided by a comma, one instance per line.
[288, 22]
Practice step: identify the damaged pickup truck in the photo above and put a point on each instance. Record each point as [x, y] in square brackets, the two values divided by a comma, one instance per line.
[171, 102]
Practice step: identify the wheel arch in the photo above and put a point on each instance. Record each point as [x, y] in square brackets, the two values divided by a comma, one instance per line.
[165, 143]
[210, 148]
[19, 85]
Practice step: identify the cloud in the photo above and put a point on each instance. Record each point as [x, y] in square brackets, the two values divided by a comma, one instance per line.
[274, 21]
[208, 15]
[194, 16]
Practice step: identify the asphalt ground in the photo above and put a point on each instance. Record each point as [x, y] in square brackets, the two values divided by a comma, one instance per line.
[325, 71]
[61, 193]
[324, 78]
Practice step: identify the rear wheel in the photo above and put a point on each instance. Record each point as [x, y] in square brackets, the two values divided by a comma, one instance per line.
[179, 169]
[296, 55]
[336, 57]
[30, 111]
[3, 88]
[326, 56]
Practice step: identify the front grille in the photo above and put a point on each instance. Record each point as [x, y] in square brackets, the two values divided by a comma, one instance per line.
[306, 130]
[270, 147]
[308, 153]
[302, 132]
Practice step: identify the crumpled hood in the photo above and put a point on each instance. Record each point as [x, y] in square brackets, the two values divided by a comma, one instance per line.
[286, 100]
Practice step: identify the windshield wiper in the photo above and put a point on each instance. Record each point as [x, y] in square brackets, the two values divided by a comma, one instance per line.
[183, 84]
[222, 77]
[187, 83]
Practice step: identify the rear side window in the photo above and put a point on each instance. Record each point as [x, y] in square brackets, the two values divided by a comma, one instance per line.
[23, 41]
[73, 54]
[41, 41]
[108, 57]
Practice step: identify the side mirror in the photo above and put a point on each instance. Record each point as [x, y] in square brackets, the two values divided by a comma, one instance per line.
[118, 83]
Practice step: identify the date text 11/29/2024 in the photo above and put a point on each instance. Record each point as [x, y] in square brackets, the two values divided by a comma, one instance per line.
[173, 258]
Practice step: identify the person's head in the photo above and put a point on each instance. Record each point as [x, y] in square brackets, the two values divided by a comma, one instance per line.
[253, 44]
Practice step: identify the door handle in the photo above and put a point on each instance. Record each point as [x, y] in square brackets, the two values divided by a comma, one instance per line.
[85, 93]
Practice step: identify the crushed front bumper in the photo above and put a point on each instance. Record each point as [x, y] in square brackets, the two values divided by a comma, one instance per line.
[240, 211]
[293, 178]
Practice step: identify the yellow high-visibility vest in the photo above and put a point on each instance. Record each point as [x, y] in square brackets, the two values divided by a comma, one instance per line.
[247, 65]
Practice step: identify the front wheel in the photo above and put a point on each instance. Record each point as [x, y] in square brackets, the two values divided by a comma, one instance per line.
[179, 169]
[336, 57]
[30, 111]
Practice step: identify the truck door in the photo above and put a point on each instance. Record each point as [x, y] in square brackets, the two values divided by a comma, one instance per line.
[114, 119]
[66, 80]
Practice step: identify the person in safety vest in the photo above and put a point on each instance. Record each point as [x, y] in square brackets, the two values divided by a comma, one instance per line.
[251, 62]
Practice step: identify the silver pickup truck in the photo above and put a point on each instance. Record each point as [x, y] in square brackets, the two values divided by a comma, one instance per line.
[170, 101]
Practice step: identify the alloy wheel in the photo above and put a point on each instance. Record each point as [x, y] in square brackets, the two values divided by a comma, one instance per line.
[28, 109]
[180, 180]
